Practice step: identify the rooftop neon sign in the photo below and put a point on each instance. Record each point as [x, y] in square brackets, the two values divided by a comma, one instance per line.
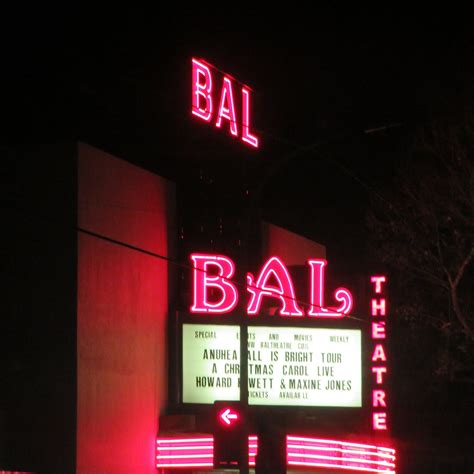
[227, 112]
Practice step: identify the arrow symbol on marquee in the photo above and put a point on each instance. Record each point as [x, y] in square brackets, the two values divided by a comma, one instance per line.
[227, 416]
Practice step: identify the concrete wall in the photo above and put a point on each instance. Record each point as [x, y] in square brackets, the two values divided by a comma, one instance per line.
[122, 313]
[292, 248]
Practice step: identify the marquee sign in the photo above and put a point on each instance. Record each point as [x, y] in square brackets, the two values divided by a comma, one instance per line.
[287, 366]
[221, 109]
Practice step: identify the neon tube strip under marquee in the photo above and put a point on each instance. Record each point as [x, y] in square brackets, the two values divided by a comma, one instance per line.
[300, 451]
[192, 452]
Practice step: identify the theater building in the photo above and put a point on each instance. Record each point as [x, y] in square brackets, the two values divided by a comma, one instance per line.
[136, 325]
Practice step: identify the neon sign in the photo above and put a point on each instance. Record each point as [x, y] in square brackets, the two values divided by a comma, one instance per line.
[317, 294]
[227, 113]
[213, 273]
[378, 307]
[284, 290]
[196, 452]
[228, 417]
[203, 282]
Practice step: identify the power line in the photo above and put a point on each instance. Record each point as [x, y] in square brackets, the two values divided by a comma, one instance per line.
[301, 149]
[192, 267]
[162, 257]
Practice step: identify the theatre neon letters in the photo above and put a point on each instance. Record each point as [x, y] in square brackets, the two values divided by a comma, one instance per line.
[378, 309]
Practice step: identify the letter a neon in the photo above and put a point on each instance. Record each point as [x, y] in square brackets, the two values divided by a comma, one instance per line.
[283, 291]
[226, 107]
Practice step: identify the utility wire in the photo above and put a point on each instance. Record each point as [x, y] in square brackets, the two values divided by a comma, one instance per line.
[169, 260]
[298, 150]
[192, 267]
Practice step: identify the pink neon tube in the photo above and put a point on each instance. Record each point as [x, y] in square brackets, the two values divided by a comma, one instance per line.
[301, 451]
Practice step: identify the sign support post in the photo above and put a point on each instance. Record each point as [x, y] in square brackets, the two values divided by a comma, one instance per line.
[244, 465]
[244, 388]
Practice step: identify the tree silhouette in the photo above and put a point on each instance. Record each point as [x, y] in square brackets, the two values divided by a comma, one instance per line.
[424, 231]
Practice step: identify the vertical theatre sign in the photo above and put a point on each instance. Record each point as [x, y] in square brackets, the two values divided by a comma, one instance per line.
[215, 272]
[225, 103]
[378, 311]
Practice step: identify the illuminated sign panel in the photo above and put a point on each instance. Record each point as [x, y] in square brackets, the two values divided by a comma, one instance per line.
[287, 366]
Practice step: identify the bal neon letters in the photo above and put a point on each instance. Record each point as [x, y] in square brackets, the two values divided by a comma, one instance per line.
[227, 113]
[215, 293]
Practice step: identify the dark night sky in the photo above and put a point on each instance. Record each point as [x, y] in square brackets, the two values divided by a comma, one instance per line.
[120, 80]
